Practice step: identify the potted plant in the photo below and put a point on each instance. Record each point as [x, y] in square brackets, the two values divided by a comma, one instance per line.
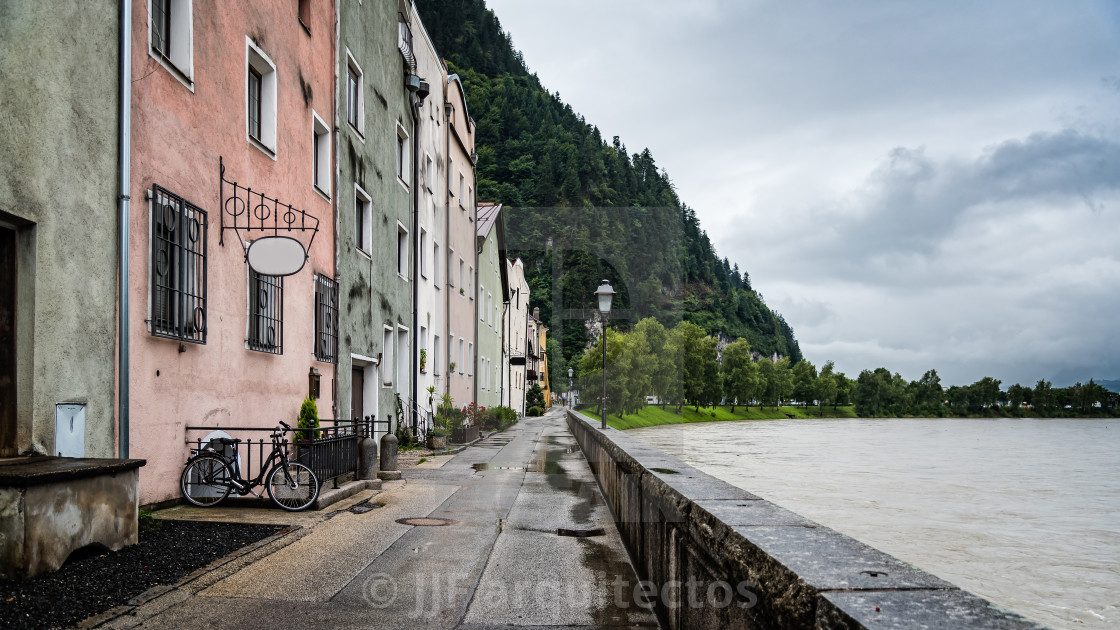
[308, 419]
[437, 438]
[467, 431]
[423, 360]
[451, 366]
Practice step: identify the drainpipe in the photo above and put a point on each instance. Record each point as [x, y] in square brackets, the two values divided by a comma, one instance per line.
[447, 235]
[504, 351]
[415, 256]
[125, 163]
[336, 204]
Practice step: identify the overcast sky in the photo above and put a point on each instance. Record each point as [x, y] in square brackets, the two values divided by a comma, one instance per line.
[912, 185]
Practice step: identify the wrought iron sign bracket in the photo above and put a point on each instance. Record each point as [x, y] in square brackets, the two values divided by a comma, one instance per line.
[250, 213]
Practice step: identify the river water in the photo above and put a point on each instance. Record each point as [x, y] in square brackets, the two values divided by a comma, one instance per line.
[1023, 512]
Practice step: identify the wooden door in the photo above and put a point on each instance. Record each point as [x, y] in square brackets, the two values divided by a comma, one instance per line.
[357, 390]
[7, 342]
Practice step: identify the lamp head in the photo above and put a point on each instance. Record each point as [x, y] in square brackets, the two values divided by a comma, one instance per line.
[605, 294]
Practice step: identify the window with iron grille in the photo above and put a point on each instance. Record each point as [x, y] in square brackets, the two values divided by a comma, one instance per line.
[266, 313]
[326, 319]
[178, 240]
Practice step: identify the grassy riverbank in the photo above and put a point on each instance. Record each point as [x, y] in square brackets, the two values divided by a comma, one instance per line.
[653, 416]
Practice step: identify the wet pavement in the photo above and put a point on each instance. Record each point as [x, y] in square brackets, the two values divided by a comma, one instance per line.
[512, 532]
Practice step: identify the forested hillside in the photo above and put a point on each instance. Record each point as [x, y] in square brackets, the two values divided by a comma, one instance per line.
[582, 208]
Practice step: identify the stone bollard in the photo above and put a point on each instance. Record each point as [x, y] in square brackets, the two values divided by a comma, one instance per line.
[367, 458]
[389, 470]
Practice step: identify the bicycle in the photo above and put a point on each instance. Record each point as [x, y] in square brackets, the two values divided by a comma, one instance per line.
[210, 475]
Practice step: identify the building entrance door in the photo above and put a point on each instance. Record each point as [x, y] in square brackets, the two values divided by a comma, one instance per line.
[357, 392]
[8, 444]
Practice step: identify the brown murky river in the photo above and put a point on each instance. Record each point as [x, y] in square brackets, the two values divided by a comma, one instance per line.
[1023, 512]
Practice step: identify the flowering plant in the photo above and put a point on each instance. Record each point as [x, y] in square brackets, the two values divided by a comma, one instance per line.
[473, 414]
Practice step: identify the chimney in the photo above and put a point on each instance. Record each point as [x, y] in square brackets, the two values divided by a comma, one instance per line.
[537, 313]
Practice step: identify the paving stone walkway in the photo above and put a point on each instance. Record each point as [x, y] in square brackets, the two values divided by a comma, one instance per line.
[484, 551]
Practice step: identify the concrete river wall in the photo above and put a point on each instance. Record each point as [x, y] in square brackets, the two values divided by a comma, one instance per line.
[712, 555]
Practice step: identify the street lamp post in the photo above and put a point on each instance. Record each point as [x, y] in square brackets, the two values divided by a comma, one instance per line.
[570, 389]
[605, 294]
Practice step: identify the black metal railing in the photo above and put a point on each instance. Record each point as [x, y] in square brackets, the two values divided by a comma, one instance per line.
[404, 41]
[331, 451]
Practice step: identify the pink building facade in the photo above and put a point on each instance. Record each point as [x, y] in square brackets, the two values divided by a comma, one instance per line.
[212, 344]
[462, 263]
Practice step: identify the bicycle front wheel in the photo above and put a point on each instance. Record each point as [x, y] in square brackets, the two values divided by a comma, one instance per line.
[292, 486]
[205, 481]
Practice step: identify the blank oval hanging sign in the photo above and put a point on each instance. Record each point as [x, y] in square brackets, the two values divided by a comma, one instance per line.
[276, 256]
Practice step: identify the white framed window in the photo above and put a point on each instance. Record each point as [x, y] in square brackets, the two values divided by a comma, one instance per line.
[424, 348]
[435, 263]
[402, 250]
[470, 198]
[320, 155]
[450, 188]
[435, 355]
[450, 268]
[489, 309]
[403, 152]
[423, 252]
[363, 221]
[450, 353]
[429, 173]
[470, 281]
[462, 345]
[387, 364]
[481, 311]
[355, 96]
[403, 372]
[171, 37]
[462, 274]
[470, 359]
[462, 182]
[260, 99]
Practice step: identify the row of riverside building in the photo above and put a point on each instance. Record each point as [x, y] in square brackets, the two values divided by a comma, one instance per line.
[148, 145]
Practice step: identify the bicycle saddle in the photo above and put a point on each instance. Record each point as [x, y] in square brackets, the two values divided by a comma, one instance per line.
[225, 440]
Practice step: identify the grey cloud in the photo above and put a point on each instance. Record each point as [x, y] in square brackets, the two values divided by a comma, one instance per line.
[911, 203]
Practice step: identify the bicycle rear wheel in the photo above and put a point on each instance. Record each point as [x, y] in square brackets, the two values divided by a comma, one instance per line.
[292, 486]
[205, 481]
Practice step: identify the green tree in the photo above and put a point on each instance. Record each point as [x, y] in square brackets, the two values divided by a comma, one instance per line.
[739, 373]
[713, 385]
[928, 393]
[782, 381]
[766, 382]
[804, 381]
[660, 364]
[1043, 394]
[826, 387]
[986, 391]
[696, 353]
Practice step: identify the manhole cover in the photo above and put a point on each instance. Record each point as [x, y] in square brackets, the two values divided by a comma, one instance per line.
[426, 521]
